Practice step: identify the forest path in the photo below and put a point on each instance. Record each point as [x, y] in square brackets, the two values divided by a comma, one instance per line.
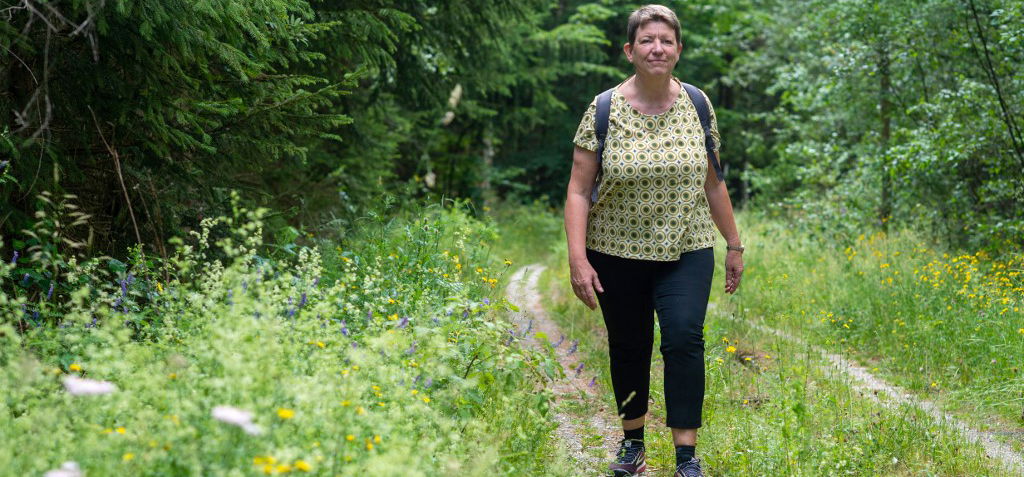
[891, 396]
[584, 428]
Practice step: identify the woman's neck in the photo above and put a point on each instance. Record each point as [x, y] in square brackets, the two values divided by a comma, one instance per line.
[653, 89]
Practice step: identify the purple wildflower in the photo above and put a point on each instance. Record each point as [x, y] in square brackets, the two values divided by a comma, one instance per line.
[529, 326]
[24, 280]
[344, 328]
[412, 349]
[35, 315]
[487, 301]
[124, 287]
[131, 278]
[575, 343]
[578, 369]
[291, 312]
[428, 382]
[14, 259]
[230, 301]
[449, 313]
[436, 320]
[404, 321]
[369, 315]
[49, 294]
[245, 285]
[303, 300]
[560, 340]
[354, 345]
[465, 313]
[316, 281]
[117, 302]
[417, 378]
[592, 381]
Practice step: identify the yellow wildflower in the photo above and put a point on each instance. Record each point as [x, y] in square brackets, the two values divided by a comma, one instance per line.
[121, 430]
[285, 413]
[283, 468]
[159, 287]
[127, 456]
[376, 438]
[350, 437]
[303, 466]
[508, 262]
[75, 367]
[730, 349]
[346, 403]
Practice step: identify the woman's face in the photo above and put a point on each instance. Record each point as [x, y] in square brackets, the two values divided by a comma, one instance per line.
[655, 50]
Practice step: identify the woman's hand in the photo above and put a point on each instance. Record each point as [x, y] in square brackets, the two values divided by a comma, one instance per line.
[733, 270]
[585, 282]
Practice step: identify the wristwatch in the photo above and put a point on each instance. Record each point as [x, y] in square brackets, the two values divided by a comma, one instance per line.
[738, 248]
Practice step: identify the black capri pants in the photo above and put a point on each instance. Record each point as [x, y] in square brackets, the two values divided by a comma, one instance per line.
[678, 290]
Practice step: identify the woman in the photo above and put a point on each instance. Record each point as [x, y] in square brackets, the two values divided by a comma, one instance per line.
[646, 243]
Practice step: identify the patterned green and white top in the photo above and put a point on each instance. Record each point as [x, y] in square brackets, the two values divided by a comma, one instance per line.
[651, 203]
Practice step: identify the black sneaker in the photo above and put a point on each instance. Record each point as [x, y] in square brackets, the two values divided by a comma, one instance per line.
[630, 461]
[690, 468]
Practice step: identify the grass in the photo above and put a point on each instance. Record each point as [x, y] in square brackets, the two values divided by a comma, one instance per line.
[785, 412]
[385, 356]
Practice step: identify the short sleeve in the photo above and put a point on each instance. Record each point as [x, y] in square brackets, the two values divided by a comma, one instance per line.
[714, 125]
[586, 138]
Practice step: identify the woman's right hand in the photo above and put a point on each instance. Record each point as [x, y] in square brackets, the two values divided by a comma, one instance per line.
[585, 282]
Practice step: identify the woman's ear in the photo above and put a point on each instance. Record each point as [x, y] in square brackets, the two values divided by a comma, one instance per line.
[628, 49]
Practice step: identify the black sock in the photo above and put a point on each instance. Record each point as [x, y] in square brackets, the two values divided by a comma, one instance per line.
[684, 453]
[637, 433]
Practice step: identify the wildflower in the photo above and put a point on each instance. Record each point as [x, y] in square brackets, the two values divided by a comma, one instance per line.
[303, 466]
[124, 287]
[344, 328]
[320, 344]
[426, 399]
[376, 439]
[160, 287]
[412, 349]
[49, 294]
[14, 259]
[593, 381]
[560, 340]
[303, 300]
[346, 403]
[237, 417]
[508, 262]
[720, 360]
[730, 349]
[24, 279]
[127, 456]
[77, 386]
[369, 445]
[263, 460]
[575, 344]
[285, 413]
[350, 437]
[360, 410]
[283, 468]
[487, 301]
[121, 430]
[75, 367]
[67, 469]
[579, 368]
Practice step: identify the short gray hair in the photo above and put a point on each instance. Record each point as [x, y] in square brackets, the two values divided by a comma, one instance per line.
[652, 13]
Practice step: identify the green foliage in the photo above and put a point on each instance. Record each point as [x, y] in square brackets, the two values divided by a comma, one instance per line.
[389, 357]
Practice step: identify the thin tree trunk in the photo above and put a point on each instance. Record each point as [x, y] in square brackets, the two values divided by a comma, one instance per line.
[885, 110]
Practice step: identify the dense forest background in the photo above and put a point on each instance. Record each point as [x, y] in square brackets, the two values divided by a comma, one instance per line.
[128, 122]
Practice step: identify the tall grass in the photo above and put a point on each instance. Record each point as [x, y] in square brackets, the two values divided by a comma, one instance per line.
[773, 407]
[945, 324]
[388, 356]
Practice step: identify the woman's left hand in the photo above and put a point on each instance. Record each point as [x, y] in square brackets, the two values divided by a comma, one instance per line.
[733, 270]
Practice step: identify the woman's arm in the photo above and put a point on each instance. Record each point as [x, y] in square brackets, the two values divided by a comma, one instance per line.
[721, 214]
[577, 207]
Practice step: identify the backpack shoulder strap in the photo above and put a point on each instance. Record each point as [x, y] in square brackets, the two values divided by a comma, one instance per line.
[704, 113]
[604, 106]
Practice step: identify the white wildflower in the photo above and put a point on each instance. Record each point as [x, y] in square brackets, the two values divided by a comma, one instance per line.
[238, 417]
[86, 387]
[68, 469]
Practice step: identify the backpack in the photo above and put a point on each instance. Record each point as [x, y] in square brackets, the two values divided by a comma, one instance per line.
[604, 102]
